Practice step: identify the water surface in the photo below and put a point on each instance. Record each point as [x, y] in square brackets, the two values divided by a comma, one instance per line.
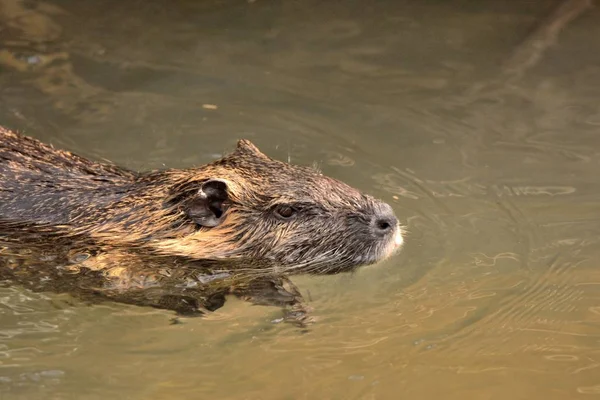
[497, 292]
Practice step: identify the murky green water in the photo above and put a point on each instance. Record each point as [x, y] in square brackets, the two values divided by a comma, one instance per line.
[497, 293]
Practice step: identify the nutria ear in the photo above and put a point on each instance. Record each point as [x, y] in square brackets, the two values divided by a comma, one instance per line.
[208, 207]
[245, 146]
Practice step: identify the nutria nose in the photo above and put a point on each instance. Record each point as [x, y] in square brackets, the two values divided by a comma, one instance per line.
[384, 221]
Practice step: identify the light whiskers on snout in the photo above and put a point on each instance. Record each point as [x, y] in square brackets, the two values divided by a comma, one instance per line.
[398, 239]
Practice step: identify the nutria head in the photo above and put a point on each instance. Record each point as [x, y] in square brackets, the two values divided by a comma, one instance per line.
[247, 206]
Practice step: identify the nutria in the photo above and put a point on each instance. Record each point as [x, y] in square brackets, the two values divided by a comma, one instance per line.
[245, 214]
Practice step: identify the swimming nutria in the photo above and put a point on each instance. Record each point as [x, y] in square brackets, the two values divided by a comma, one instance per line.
[252, 212]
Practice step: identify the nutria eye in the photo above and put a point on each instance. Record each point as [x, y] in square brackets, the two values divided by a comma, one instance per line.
[285, 212]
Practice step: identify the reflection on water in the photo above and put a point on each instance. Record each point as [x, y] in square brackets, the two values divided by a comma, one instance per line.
[497, 293]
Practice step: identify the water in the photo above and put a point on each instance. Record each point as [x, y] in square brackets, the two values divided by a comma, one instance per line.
[497, 293]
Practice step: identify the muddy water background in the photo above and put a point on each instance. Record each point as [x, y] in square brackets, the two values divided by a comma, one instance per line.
[497, 293]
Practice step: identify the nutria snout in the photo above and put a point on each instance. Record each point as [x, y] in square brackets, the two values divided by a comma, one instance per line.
[244, 206]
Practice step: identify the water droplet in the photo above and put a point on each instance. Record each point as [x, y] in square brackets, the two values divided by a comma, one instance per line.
[78, 257]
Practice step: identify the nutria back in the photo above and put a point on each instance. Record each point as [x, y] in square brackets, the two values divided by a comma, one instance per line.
[40, 185]
[244, 206]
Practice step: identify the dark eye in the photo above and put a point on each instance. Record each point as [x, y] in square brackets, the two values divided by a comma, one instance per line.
[284, 212]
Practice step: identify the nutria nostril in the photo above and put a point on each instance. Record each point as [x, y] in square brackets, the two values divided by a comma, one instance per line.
[383, 225]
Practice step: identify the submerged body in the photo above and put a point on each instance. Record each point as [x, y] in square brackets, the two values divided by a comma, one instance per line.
[245, 214]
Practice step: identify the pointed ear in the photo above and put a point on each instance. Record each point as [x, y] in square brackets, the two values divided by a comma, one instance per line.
[245, 147]
[209, 205]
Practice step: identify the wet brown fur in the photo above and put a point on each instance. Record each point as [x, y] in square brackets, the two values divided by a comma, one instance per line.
[51, 197]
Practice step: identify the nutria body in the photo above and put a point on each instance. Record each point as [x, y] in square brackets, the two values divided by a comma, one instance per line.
[245, 214]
